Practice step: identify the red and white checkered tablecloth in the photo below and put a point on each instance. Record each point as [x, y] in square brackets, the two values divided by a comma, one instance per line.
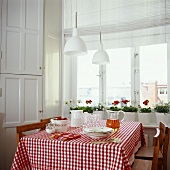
[40, 152]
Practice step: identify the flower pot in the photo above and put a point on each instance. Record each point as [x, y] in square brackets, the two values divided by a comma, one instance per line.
[162, 117]
[130, 116]
[144, 118]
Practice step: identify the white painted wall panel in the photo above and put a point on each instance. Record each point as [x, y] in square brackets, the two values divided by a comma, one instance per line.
[14, 13]
[52, 76]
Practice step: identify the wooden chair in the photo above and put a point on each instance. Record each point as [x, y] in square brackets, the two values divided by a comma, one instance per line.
[28, 127]
[146, 153]
[149, 164]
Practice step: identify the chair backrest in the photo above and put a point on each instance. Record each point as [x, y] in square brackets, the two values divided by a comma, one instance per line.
[47, 120]
[156, 144]
[164, 143]
[28, 127]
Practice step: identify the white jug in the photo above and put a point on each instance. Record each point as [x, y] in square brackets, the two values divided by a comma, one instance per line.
[116, 115]
[76, 118]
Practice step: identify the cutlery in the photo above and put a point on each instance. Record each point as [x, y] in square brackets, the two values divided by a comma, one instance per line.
[111, 140]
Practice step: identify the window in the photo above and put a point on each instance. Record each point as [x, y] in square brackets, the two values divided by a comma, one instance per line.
[87, 78]
[161, 91]
[118, 75]
[153, 73]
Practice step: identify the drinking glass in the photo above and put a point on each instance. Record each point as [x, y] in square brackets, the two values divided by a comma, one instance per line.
[85, 120]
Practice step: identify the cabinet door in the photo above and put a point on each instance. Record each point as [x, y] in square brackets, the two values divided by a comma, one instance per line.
[20, 103]
[21, 99]
[22, 37]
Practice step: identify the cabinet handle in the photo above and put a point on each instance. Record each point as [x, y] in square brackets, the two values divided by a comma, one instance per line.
[40, 111]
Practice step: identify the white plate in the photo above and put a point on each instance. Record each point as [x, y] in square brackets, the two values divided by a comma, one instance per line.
[98, 129]
[98, 132]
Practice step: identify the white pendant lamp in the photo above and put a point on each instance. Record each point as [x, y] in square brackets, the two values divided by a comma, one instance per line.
[75, 46]
[100, 57]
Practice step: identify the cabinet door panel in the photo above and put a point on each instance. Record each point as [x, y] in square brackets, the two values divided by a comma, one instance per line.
[14, 13]
[32, 53]
[33, 98]
[32, 14]
[12, 99]
[13, 51]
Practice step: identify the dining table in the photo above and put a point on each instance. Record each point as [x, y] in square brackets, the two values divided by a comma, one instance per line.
[41, 151]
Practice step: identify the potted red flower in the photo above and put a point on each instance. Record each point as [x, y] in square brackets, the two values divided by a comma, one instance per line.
[125, 101]
[129, 111]
[88, 101]
[88, 109]
[114, 107]
[145, 109]
[144, 113]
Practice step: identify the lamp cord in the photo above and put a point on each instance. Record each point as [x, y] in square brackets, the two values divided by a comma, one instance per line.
[100, 24]
[76, 16]
[76, 5]
[76, 20]
[165, 22]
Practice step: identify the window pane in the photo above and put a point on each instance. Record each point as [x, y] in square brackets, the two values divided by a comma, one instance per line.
[87, 79]
[119, 75]
[153, 74]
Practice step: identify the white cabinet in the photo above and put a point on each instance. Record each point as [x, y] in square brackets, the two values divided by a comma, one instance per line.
[31, 43]
[22, 37]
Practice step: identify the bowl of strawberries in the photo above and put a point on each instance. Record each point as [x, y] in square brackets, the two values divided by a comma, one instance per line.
[60, 124]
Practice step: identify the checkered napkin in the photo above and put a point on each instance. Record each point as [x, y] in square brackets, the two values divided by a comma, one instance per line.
[65, 136]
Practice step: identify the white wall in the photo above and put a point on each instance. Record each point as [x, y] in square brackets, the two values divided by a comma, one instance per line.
[52, 57]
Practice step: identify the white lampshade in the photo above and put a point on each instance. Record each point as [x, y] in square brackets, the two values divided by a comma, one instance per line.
[75, 46]
[100, 57]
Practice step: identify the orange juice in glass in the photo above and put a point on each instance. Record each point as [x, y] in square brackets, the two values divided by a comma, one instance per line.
[113, 120]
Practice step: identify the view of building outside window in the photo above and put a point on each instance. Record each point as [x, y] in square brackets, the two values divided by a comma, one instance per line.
[87, 79]
[118, 75]
[153, 74]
